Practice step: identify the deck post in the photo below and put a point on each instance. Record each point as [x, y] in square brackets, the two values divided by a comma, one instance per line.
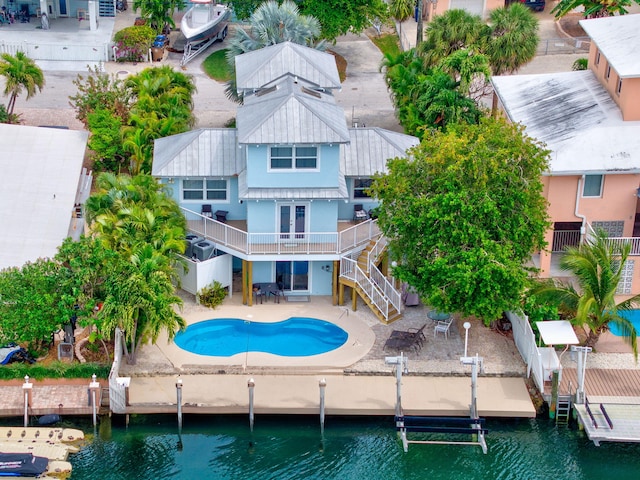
[334, 282]
[244, 282]
[249, 283]
[555, 386]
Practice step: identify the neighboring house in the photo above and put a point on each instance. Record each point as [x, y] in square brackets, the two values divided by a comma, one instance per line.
[590, 121]
[481, 8]
[58, 8]
[43, 185]
[279, 192]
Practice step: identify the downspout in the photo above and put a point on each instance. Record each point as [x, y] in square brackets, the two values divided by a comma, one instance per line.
[583, 228]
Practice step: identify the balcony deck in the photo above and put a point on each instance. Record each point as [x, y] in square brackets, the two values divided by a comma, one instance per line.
[233, 237]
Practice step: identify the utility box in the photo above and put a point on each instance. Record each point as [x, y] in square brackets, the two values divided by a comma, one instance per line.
[191, 239]
[65, 351]
[204, 250]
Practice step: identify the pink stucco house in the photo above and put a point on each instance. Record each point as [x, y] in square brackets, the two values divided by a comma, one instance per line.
[590, 122]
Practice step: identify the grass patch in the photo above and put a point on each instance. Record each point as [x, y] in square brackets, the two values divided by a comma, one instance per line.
[216, 66]
[387, 43]
[54, 370]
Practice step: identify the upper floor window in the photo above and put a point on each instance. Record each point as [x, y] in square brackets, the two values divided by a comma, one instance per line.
[592, 185]
[360, 185]
[204, 189]
[607, 73]
[294, 158]
[597, 62]
[619, 86]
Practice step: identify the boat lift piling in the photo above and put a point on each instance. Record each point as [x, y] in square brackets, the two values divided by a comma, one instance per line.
[27, 388]
[179, 403]
[323, 386]
[94, 386]
[251, 384]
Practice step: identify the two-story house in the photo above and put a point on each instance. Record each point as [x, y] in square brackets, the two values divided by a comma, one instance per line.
[285, 192]
[590, 121]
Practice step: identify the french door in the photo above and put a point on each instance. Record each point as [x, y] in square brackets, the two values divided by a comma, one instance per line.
[293, 220]
[293, 276]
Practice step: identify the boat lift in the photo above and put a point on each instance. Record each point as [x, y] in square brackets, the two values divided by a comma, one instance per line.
[474, 425]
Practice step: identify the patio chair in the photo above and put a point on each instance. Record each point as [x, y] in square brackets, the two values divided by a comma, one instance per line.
[443, 327]
[359, 213]
[206, 211]
[406, 339]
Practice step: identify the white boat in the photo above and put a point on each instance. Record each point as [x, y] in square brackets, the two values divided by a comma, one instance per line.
[205, 20]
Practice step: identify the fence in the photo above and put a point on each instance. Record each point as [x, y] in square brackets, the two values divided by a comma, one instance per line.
[555, 46]
[525, 341]
[58, 51]
[118, 386]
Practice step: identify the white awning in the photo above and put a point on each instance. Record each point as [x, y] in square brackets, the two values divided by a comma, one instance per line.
[557, 332]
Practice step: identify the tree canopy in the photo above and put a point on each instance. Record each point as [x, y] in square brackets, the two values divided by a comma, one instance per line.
[159, 12]
[593, 8]
[463, 215]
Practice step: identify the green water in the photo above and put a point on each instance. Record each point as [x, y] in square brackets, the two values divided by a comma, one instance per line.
[352, 448]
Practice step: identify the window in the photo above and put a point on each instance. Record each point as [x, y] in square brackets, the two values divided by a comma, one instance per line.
[608, 72]
[598, 57]
[592, 185]
[204, 189]
[359, 187]
[619, 86]
[290, 158]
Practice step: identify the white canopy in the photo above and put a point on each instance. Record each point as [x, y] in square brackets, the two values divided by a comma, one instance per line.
[557, 332]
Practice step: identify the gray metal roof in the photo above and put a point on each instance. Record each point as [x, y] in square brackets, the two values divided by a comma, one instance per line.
[261, 67]
[576, 118]
[291, 113]
[40, 176]
[331, 193]
[211, 152]
[618, 38]
[370, 148]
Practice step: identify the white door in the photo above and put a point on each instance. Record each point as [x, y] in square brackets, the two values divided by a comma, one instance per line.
[293, 220]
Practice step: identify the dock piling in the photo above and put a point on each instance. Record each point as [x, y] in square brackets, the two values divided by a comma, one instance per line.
[26, 388]
[179, 403]
[251, 384]
[323, 386]
[94, 386]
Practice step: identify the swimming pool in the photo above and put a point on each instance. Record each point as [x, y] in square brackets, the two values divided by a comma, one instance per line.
[294, 337]
[633, 316]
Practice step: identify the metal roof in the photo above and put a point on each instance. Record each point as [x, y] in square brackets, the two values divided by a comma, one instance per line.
[330, 193]
[40, 175]
[210, 152]
[291, 113]
[618, 38]
[261, 67]
[370, 148]
[576, 118]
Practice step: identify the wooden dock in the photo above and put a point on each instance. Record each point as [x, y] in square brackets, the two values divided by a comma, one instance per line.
[605, 383]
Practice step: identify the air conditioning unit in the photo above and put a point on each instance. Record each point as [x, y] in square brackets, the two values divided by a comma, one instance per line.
[191, 239]
[204, 250]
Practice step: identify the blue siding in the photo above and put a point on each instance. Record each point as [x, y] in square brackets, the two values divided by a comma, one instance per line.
[237, 210]
[324, 216]
[320, 281]
[259, 175]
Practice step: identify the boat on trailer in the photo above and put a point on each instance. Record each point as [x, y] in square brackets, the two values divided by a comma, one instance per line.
[204, 20]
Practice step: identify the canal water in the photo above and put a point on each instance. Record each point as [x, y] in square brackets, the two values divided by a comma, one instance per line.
[292, 447]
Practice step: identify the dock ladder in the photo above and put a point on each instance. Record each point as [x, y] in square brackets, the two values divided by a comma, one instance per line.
[563, 410]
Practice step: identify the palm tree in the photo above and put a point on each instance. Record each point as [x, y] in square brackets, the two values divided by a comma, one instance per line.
[21, 73]
[158, 12]
[593, 8]
[400, 10]
[271, 24]
[597, 266]
[512, 38]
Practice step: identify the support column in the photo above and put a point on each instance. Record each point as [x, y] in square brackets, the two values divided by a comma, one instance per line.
[244, 282]
[354, 298]
[335, 274]
[341, 294]
[250, 282]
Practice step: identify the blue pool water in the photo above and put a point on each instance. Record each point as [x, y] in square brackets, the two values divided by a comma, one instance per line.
[295, 337]
[633, 316]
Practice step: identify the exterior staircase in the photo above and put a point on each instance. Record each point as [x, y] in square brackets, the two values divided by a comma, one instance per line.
[364, 277]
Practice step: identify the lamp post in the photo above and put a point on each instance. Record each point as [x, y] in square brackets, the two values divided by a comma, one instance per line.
[466, 326]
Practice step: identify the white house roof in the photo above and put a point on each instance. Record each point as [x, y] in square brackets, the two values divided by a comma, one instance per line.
[256, 69]
[211, 152]
[370, 148]
[618, 38]
[40, 174]
[291, 112]
[576, 118]
[329, 193]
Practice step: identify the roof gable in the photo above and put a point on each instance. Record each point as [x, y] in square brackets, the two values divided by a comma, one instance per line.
[261, 67]
[371, 148]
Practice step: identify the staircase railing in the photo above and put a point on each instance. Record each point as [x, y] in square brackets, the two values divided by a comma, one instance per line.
[385, 286]
[374, 254]
[349, 269]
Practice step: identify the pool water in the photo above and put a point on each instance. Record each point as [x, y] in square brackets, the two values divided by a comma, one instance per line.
[633, 316]
[295, 337]
[352, 448]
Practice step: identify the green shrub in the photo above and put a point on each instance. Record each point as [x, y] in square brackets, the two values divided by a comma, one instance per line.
[212, 295]
[580, 64]
[133, 43]
[39, 371]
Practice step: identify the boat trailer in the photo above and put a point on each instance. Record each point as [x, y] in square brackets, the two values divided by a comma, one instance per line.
[192, 50]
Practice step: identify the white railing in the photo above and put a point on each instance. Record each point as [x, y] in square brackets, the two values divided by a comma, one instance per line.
[281, 243]
[532, 355]
[563, 239]
[386, 287]
[379, 247]
[349, 269]
[634, 241]
[118, 385]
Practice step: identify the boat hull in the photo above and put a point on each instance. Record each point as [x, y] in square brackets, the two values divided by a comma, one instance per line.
[204, 22]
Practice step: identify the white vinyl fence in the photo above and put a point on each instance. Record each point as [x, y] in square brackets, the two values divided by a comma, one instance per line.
[58, 51]
[118, 386]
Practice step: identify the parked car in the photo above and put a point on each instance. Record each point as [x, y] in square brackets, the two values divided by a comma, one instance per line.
[535, 5]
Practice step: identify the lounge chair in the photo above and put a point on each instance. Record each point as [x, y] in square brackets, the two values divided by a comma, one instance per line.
[406, 339]
[359, 213]
[443, 327]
